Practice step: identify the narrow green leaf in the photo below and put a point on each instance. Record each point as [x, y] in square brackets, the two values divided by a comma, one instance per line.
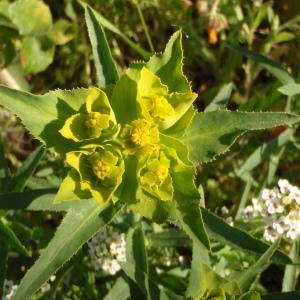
[284, 36]
[3, 262]
[221, 231]
[221, 99]
[172, 237]
[248, 277]
[106, 69]
[290, 89]
[136, 265]
[211, 134]
[12, 239]
[4, 169]
[282, 296]
[291, 271]
[78, 226]
[274, 68]
[108, 25]
[18, 181]
[264, 152]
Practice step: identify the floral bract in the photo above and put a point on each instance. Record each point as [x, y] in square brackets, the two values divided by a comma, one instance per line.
[97, 121]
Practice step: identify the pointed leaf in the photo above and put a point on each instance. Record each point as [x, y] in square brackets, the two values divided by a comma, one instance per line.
[168, 65]
[290, 89]
[12, 239]
[78, 226]
[18, 182]
[211, 134]
[221, 231]
[105, 66]
[274, 68]
[221, 99]
[246, 279]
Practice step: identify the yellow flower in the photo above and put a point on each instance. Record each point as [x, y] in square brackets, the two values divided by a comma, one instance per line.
[140, 135]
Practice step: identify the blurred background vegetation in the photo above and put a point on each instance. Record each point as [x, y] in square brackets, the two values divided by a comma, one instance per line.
[50, 49]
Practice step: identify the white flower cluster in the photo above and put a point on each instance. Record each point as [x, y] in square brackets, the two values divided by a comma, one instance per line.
[280, 208]
[9, 290]
[107, 249]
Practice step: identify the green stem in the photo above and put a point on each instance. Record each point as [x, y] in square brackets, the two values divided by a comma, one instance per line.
[244, 199]
[144, 26]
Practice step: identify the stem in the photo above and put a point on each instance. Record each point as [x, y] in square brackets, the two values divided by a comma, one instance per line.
[8, 79]
[244, 199]
[144, 26]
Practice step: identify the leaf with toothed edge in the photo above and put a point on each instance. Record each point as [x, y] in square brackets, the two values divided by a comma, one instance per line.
[213, 133]
[78, 226]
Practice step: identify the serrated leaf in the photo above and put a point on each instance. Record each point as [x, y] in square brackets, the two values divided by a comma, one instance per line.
[78, 226]
[290, 89]
[106, 70]
[11, 238]
[18, 181]
[211, 134]
[221, 231]
[274, 68]
[246, 279]
[44, 115]
[36, 53]
[30, 16]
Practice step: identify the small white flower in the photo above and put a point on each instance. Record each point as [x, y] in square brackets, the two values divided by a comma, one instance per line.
[224, 210]
[9, 289]
[107, 249]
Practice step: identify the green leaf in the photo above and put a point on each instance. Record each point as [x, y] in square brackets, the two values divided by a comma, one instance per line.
[124, 96]
[221, 231]
[168, 65]
[78, 226]
[136, 265]
[246, 279]
[284, 36]
[274, 68]
[30, 16]
[18, 181]
[61, 32]
[108, 25]
[3, 262]
[211, 134]
[4, 170]
[221, 99]
[291, 271]
[172, 237]
[263, 152]
[11, 238]
[106, 69]
[36, 53]
[282, 296]
[118, 291]
[45, 115]
[290, 89]
[38, 200]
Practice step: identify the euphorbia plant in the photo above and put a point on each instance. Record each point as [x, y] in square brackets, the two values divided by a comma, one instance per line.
[133, 141]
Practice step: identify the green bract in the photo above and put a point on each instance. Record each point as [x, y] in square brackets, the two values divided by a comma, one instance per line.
[96, 173]
[97, 121]
[158, 104]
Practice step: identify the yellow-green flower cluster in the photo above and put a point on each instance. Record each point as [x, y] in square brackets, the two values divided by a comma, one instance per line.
[103, 145]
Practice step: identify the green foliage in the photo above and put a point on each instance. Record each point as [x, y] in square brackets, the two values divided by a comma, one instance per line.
[138, 143]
